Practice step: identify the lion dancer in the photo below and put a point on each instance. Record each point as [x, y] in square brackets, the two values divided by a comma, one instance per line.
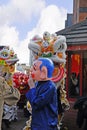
[53, 47]
[63, 103]
[9, 96]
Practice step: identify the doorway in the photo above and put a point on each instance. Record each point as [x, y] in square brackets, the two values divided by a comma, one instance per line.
[74, 74]
[84, 78]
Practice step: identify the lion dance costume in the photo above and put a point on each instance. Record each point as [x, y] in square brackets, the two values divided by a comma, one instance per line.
[53, 47]
[9, 96]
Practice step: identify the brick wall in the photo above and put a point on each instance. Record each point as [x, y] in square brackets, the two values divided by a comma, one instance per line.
[82, 16]
[79, 10]
[83, 3]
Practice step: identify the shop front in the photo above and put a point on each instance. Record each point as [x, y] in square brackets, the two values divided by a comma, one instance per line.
[76, 72]
[76, 67]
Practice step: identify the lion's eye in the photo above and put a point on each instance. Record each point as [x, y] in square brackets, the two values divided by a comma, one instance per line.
[4, 54]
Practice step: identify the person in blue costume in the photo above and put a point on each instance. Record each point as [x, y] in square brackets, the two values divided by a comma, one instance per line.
[43, 96]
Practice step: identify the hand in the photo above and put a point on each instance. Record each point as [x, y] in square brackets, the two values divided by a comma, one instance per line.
[31, 82]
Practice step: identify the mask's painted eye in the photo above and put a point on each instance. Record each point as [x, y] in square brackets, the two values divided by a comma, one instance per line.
[34, 68]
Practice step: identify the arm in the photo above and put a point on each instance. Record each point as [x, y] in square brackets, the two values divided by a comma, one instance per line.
[10, 95]
[38, 101]
[75, 81]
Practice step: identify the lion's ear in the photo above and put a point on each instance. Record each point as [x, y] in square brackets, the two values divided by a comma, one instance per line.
[43, 73]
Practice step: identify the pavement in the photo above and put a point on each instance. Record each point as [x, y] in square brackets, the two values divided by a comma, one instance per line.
[18, 124]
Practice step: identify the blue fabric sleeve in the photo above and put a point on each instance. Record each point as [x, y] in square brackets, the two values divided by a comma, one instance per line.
[30, 94]
[39, 101]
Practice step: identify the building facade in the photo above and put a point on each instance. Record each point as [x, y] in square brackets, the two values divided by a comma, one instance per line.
[79, 10]
[76, 39]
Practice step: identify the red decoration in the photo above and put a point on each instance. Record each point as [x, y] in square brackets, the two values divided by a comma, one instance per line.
[20, 81]
[59, 76]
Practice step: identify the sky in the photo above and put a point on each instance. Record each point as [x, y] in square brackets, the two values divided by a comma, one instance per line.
[20, 20]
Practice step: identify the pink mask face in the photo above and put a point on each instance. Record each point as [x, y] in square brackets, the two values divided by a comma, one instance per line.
[35, 71]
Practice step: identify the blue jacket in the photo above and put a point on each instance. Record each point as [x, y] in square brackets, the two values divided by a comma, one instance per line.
[43, 99]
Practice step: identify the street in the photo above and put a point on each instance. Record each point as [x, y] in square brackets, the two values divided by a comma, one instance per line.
[18, 124]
